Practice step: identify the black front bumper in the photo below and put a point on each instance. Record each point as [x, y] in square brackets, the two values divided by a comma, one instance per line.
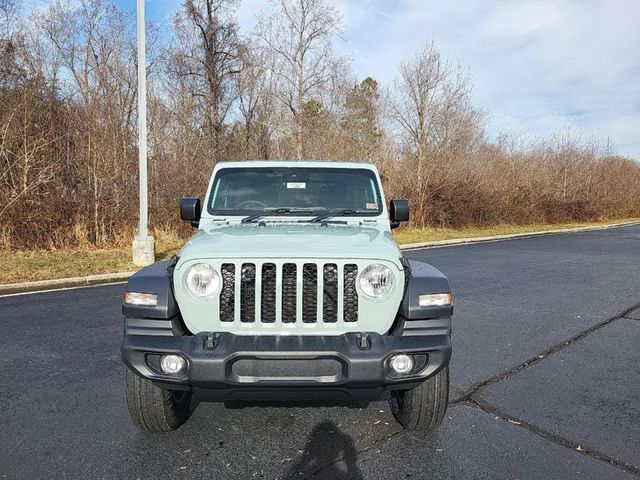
[227, 367]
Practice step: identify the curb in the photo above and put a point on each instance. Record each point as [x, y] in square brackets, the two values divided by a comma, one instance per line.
[510, 236]
[91, 280]
[62, 283]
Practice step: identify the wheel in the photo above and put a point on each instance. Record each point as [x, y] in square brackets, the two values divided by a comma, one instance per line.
[423, 407]
[153, 409]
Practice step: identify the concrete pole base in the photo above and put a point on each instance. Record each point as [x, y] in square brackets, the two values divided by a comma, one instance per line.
[144, 251]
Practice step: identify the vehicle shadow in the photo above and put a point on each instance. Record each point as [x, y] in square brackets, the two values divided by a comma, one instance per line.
[328, 454]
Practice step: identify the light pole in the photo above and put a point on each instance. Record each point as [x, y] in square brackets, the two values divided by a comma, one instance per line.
[143, 245]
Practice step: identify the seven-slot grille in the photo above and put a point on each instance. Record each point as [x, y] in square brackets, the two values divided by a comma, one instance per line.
[302, 292]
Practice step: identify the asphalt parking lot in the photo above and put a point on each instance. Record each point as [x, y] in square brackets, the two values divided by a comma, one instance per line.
[545, 384]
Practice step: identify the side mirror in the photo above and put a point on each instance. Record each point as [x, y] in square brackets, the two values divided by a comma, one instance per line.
[398, 212]
[190, 210]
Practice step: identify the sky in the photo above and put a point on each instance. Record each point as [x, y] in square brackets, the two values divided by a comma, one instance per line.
[538, 66]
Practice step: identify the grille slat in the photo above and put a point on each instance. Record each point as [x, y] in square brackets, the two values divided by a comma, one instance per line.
[350, 294]
[310, 293]
[289, 292]
[330, 293]
[268, 303]
[248, 293]
[227, 294]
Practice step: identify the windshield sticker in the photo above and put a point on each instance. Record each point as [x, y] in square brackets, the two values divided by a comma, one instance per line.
[296, 185]
[372, 206]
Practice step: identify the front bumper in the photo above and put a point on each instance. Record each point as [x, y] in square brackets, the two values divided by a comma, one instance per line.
[227, 367]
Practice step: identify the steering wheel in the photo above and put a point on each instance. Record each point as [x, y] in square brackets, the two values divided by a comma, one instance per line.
[252, 205]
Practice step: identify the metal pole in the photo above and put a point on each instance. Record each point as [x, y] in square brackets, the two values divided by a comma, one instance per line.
[143, 248]
[142, 120]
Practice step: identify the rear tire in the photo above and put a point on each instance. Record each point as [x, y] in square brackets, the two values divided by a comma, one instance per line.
[154, 409]
[422, 408]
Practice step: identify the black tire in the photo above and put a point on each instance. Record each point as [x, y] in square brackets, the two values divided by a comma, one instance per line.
[422, 408]
[154, 409]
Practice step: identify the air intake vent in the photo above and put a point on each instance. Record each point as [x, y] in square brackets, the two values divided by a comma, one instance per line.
[227, 295]
[309, 293]
[330, 293]
[248, 293]
[268, 302]
[289, 282]
[350, 294]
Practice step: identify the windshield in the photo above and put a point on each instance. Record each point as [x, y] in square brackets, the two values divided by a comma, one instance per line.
[305, 191]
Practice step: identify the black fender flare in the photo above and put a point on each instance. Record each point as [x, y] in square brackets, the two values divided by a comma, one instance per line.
[156, 278]
[423, 278]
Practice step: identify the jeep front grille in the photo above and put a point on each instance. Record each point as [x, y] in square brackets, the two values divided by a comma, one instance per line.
[309, 293]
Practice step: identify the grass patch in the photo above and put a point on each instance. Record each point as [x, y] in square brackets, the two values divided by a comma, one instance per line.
[45, 265]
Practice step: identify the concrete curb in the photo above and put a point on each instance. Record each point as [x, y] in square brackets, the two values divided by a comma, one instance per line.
[75, 282]
[509, 236]
[61, 283]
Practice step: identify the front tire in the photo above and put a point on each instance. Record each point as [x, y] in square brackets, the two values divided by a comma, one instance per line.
[154, 409]
[423, 407]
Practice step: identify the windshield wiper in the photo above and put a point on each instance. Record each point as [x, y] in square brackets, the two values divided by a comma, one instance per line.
[255, 216]
[274, 212]
[335, 213]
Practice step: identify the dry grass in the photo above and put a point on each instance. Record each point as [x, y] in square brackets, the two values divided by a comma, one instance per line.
[77, 262]
[44, 265]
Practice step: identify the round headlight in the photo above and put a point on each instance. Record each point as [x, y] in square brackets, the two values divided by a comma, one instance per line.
[203, 280]
[376, 281]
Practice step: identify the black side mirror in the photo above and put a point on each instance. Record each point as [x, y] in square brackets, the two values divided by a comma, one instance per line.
[190, 210]
[398, 212]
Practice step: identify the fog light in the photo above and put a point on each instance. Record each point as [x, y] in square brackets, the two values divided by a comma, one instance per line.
[401, 363]
[172, 364]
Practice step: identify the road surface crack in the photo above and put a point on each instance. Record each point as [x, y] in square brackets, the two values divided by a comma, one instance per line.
[471, 397]
[480, 385]
[552, 437]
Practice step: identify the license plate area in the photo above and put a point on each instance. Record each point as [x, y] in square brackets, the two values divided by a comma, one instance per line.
[261, 370]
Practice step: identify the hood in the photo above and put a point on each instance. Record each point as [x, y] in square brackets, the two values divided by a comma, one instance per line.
[288, 240]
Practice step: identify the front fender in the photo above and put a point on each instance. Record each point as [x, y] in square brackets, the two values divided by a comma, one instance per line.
[424, 278]
[156, 278]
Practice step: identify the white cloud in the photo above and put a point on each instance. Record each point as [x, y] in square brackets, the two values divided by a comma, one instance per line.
[537, 65]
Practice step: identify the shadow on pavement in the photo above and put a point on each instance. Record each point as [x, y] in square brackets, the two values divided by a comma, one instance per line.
[328, 454]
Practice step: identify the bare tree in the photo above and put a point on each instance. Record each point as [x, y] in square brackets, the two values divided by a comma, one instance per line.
[361, 121]
[26, 163]
[205, 60]
[431, 107]
[255, 86]
[10, 39]
[94, 42]
[301, 34]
